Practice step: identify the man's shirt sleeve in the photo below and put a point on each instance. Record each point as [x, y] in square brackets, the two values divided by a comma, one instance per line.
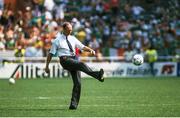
[79, 44]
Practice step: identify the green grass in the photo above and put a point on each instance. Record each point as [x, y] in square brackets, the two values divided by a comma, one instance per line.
[115, 97]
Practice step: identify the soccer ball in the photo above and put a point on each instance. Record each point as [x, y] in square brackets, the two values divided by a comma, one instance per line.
[12, 81]
[137, 59]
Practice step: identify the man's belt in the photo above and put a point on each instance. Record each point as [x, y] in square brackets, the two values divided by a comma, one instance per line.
[66, 57]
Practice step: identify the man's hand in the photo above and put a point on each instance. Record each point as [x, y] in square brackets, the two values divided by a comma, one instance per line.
[47, 63]
[93, 52]
[88, 49]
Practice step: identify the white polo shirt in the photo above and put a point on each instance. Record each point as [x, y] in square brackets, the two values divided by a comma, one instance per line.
[60, 47]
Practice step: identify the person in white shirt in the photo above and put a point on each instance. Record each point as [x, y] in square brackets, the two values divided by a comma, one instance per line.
[64, 47]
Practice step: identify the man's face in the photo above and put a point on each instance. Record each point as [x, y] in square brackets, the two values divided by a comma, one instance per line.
[68, 29]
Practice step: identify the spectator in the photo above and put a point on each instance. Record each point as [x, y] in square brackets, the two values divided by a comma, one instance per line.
[81, 35]
[49, 4]
[99, 55]
[137, 41]
[9, 36]
[136, 11]
[19, 52]
[59, 10]
[39, 51]
[30, 52]
[2, 42]
[76, 24]
[114, 6]
[99, 8]
[46, 38]
[88, 31]
[128, 54]
[94, 44]
[106, 34]
[151, 56]
[1, 4]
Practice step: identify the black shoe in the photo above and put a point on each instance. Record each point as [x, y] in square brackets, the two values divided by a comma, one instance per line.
[101, 73]
[72, 108]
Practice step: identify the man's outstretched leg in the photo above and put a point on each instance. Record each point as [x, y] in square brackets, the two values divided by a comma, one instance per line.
[76, 92]
[96, 74]
[74, 65]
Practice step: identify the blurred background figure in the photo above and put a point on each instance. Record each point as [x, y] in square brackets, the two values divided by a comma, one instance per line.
[151, 57]
[94, 44]
[128, 54]
[19, 52]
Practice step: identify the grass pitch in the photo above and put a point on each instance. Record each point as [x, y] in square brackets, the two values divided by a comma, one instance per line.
[115, 97]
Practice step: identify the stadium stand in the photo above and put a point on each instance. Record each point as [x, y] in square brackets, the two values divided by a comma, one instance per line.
[109, 26]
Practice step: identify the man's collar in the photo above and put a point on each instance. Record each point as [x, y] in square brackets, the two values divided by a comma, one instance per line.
[64, 34]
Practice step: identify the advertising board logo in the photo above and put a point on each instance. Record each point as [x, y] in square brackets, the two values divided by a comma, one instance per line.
[36, 71]
[167, 69]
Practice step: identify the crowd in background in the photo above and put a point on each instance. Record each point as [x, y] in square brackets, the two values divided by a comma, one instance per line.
[110, 27]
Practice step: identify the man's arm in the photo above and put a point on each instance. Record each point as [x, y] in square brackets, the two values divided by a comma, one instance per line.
[49, 57]
[88, 49]
[52, 52]
[83, 47]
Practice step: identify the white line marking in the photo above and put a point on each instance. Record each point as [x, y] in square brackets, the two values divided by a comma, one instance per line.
[43, 98]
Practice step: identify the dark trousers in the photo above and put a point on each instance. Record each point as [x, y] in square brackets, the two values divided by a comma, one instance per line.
[151, 64]
[74, 67]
